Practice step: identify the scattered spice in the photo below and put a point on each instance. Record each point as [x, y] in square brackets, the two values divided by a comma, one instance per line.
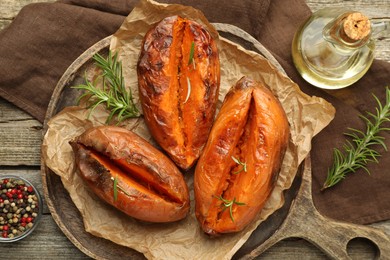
[19, 207]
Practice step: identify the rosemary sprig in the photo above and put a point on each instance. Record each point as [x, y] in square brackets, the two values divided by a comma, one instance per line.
[114, 95]
[239, 163]
[192, 52]
[357, 156]
[229, 204]
[116, 187]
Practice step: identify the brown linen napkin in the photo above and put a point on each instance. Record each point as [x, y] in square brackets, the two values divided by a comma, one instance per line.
[46, 38]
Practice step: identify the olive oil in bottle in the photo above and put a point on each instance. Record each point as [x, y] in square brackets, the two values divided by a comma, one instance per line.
[334, 48]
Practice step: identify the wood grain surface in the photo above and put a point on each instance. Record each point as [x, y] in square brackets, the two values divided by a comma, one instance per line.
[20, 140]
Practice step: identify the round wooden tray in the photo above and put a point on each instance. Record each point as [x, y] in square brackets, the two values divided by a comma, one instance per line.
[65, 213]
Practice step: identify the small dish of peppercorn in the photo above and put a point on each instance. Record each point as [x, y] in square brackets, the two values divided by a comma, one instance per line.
[20, 208]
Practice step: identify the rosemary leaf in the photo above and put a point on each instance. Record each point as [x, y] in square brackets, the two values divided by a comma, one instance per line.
[118, 101]
[116, 188]
[192, 52]
[359, 152]
[237, 161]
[228, 204]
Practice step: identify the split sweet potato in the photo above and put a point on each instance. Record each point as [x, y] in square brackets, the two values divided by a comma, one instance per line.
[127, 172]
[178, 77]
[239, 166]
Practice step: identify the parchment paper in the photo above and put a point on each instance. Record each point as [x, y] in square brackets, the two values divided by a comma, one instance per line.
[184, 239]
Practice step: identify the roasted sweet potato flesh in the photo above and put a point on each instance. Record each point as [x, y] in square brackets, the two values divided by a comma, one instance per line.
[127, 172]
[178, 77]
[242, 158]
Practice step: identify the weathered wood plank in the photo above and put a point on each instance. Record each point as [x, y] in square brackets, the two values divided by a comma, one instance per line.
[20, 136]
[11, 113]
[46, 242]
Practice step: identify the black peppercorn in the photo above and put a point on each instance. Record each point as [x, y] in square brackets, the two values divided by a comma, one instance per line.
[18, 207]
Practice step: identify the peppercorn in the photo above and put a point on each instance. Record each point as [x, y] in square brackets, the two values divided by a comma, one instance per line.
[18, 207]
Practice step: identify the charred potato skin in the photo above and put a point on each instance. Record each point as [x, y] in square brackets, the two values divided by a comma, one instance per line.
[149, 186]
[179, 124]
[253, 127]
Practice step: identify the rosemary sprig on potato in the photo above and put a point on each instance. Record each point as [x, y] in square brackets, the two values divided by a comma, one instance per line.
[229, 204]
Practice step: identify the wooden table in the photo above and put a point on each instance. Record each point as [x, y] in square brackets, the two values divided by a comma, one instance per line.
[20, 140]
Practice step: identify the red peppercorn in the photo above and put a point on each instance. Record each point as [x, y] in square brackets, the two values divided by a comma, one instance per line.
[18, 195]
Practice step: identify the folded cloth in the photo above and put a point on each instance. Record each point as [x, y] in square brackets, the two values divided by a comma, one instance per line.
[45, 38]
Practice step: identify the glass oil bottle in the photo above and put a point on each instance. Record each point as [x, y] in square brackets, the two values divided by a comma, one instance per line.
[334, 48]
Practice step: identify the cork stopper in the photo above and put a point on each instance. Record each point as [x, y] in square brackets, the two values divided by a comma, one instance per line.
[357, 26]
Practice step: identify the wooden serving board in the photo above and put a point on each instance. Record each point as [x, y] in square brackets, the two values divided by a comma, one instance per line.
[297, 218]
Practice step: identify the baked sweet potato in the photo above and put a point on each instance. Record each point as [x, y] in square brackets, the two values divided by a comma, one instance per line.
[127, 172]
[241, 160]
[178, 78]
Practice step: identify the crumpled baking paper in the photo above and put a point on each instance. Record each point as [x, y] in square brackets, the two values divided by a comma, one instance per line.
[184, 239]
